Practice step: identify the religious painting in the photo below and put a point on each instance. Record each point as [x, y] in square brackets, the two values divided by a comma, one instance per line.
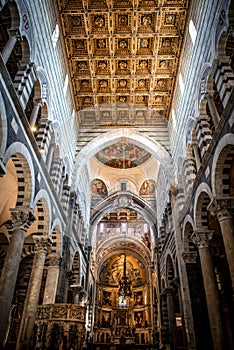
[147, 188]
[106, 301]
[106, 319]
[138, 319]
[98, 188]
[138, 298]
[123, 155]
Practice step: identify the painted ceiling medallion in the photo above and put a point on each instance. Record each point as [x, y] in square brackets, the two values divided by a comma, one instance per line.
[123, 155]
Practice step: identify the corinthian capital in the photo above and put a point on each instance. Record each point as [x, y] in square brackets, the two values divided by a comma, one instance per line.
[221, 207]
[202, 239]
[190, 257]
[42, 244]
[22, 218]
[54, 259]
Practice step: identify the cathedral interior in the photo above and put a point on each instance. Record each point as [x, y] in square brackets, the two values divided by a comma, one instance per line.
[117, 174]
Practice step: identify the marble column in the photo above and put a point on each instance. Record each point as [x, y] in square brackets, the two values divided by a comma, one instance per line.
[35, 111]
[196, 155]
[21, 218]
[50, 155]
[8, 48]
[184, 286]
[213, 110]
[222, 209]
[202, 239]
[88, 267]
[171, 317]
[52, 279]
[25, 337]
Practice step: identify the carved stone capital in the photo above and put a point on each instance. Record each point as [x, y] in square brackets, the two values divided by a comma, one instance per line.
[37, 102]
[14, 33]
[173, 191]
[77, 289]
[73, 196]
[168, 291]
[221, 207]
[42, 244]
[189, 257]
[54, 259]
[202, 239]
[22, 218]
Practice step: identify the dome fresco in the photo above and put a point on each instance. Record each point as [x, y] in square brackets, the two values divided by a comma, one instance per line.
[123, 155]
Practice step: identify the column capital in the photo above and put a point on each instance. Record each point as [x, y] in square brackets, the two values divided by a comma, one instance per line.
[14, 33]
[42, 243]
[189, 257]
[173, 191]
[37, 102]
[168, 291]
[221, 207]
[73, 196]
[202, 239]
[22, 218]
[54, 259]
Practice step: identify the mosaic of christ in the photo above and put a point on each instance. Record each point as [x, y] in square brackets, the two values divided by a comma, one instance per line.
[123, 155]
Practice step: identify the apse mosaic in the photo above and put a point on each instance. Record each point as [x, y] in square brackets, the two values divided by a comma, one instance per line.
[123, 155]
[112, 271]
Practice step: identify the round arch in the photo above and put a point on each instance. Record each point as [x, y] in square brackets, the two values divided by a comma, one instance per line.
[42, 223]
[120, 200]
[110, 243]
[21, 156]
[219, 34]
[46, 93]
[203, 197]
[107, 254]
[201, 86]
[188, 229]
[170, 270]
[224, 147]
[136, 137]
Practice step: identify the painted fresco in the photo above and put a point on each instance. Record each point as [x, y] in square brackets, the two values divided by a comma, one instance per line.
[123, 155]
[98, 188]
[147, 188]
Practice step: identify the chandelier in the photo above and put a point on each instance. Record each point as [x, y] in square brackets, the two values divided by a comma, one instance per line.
[124, 283]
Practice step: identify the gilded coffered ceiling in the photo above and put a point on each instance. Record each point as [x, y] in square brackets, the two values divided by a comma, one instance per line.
[123, 57]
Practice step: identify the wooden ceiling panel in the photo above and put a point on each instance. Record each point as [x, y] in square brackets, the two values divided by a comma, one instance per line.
[123, 53]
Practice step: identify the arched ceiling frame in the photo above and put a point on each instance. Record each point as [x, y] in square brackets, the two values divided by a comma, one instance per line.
[118, 135]
[110, 247]
[121, 200]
